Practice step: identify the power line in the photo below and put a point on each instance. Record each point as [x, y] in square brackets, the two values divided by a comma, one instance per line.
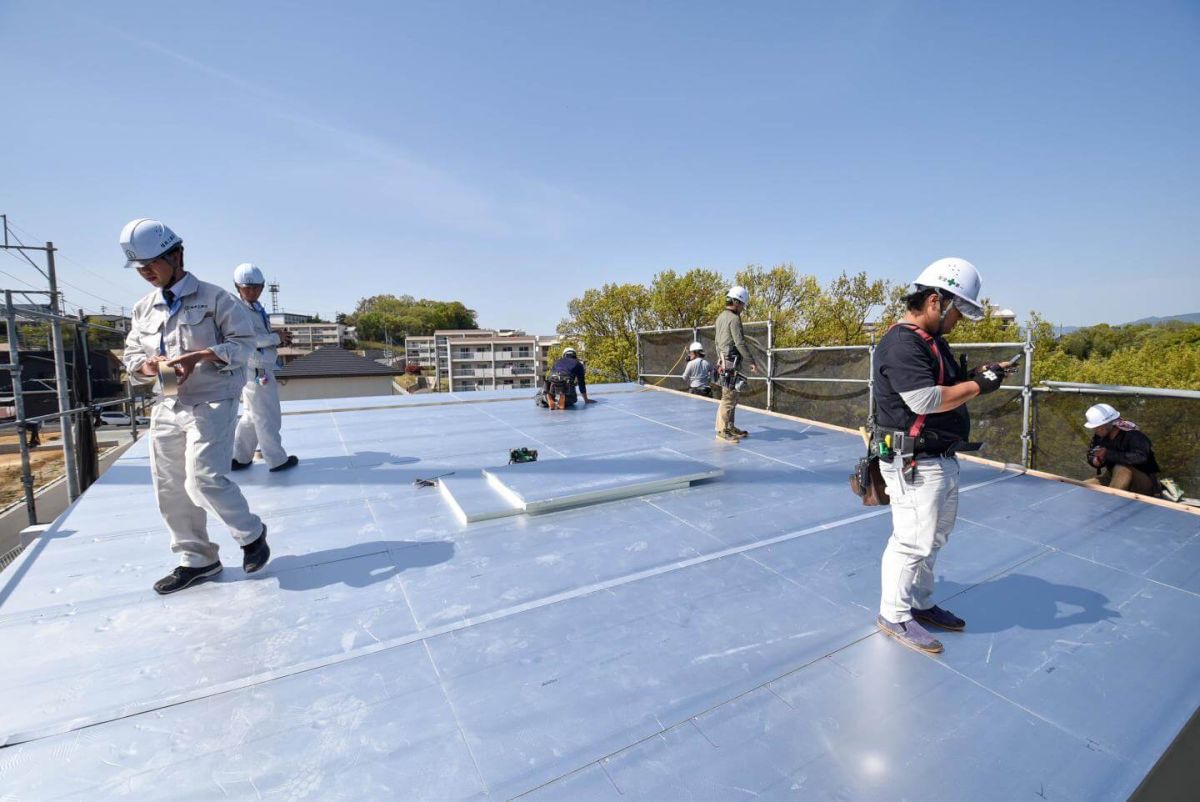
[66, 258]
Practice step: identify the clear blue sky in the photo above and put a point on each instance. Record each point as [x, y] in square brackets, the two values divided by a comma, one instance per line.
[512, 154]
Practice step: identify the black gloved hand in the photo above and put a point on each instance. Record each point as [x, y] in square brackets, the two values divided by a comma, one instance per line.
[988, 377]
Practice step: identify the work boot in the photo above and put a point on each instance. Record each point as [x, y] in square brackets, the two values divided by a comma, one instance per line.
[239, 466]
[739, 432]
[290, 462]
[939, 618]
[728, 437]
[256, 554]
[911, 634]
[184, 577]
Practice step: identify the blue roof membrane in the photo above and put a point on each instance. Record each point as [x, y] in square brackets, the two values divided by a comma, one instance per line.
[712, 640]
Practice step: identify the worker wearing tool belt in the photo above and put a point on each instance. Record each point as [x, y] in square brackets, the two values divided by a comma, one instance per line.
[196, 335]
[732, 355]
[258, 427]
[921, 422]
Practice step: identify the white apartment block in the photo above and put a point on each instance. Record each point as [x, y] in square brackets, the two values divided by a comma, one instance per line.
[287, 318]
[311, 336]
[481, 359]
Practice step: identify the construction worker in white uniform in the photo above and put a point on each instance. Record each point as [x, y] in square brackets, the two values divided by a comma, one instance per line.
[258, 427]
[922, 420]
[192, 338]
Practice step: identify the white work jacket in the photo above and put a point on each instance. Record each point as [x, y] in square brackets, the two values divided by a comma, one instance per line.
[263, 354]
[203, 316]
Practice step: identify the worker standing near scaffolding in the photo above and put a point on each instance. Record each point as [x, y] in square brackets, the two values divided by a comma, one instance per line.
[258, 427]
[732, 354]
[921, 423]
[193, 338]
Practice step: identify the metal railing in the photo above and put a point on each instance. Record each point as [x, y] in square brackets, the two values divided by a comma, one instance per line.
[773, 377]
[67, 415]
[1010, 427]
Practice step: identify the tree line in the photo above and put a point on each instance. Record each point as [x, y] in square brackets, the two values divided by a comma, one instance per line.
[382, 317]
[846, 310]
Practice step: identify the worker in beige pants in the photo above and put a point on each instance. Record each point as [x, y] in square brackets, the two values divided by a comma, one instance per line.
[733, 352]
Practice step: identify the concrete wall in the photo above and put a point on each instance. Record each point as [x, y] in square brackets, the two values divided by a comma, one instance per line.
[345, 387]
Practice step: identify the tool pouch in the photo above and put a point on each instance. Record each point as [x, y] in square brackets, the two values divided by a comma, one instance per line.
[867, 482]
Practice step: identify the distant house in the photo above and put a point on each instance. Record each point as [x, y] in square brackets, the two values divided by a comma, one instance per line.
[335, 373]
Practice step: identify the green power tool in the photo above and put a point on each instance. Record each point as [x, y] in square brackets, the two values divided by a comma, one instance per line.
[519, 455]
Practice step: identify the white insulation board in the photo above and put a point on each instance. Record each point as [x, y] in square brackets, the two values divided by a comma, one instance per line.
[556, 484]
[474, 499]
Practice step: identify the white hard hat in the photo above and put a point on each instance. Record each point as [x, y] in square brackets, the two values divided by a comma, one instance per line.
[568, 351]
[1099, 415]
[696, 346]
[738, 293]
[957, 277]
[145, 239]
[246, 274]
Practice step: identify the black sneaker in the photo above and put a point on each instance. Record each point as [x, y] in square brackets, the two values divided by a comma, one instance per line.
[239, 466]
[939, 618]
[290, 462]
[256, 554]
[184, 577]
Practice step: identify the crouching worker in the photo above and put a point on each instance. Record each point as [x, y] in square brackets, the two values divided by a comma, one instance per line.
[192, 338]
[698, 373]
[1121, 454]
[559, 388]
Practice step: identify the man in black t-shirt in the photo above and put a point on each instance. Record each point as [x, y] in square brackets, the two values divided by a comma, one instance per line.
[1121, 454]
[920, 397]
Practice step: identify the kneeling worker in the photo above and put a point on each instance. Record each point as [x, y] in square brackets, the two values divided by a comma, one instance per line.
[698, 372]
[258, 428]
[732, 352]
[921, 418]
[1122, 452]
[193, 337]
[559, 387]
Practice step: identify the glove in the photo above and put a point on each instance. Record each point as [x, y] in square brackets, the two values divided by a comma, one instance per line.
[988, 377]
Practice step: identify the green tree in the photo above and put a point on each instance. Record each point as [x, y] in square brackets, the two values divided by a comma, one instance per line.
[686, 301]
[381, 315]
[779, 294]
[837, 314]
[603, 325]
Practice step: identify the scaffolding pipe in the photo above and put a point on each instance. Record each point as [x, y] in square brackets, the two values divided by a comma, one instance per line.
[770, 362]
[1117, 389]
[1027, 405]
[14, 356]
[871, 384]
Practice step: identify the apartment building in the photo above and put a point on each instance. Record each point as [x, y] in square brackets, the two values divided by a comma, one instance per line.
[311, 336]
[481, 359]
[288, 318]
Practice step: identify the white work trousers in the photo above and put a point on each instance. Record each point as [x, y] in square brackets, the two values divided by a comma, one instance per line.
[259, 425]
[923, 513]
[190, 450]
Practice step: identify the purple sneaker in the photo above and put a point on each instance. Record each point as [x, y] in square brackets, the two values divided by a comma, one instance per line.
[939, 618]
[911, 634]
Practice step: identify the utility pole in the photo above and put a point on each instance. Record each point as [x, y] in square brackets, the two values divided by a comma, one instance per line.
[273, 288]
[60, 361]
[60, 376]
